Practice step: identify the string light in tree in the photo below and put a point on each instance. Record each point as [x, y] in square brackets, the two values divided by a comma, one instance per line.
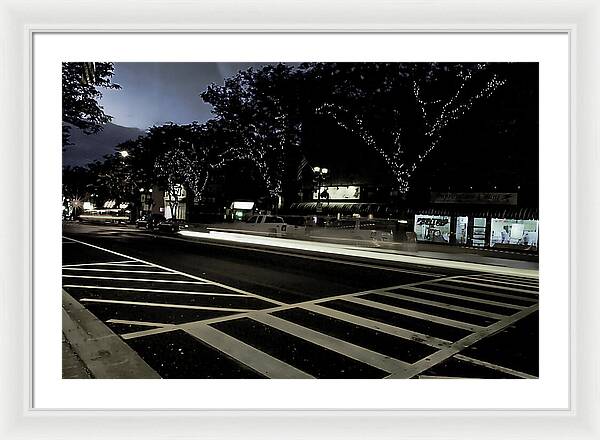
[436, 114]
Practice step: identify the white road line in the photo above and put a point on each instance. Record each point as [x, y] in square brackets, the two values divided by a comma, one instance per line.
[127, 289]
[466, 298]
[117, 270]
[340, 346]
[415, 314]
[233, 289]
[513, 289]
[376, 325]
[495, 282]
[447, 306]
[494, 367]
[405, 334]
[140, 323]
[91, 277]
[257, 360]
[509, 278]
[445, 353]
[485, 292]
[104, 263]
[166, 306]
[150, 332]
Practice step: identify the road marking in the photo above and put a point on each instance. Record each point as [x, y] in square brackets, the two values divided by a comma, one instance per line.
[405, 334]
[509, 277]
[257, 360]
[340, 346]
[466, 298]
[494, 367]
[127, 289]
[485, 292]
[140, 323]
[511, 283]
[234, 289]
[105, 263]
[166, 306]
[445, 353]
[118, 270]
[514, 289]
[153, 331]
[91, 277]
[447, 306]
[376, 325]
[415, 314]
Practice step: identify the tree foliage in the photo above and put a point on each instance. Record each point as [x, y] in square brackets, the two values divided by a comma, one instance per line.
[257, 110]
[80, 94]
[401, 110]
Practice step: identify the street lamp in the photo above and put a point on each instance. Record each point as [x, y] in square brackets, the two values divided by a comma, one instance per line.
[124, 153]
[319, 177]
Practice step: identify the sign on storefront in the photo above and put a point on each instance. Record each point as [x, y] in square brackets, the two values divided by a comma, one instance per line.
[478, 198]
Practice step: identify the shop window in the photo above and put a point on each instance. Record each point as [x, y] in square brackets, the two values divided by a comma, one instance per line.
[479, 224]
[518, 234]
[432, 228]
[461, 229]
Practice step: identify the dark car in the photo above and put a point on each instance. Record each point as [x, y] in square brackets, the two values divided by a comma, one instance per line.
[172, 225]
[150, 221]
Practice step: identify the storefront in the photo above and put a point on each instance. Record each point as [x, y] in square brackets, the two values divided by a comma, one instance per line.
[514, 234]
[176, 203]
[498, 229]
[432, 228]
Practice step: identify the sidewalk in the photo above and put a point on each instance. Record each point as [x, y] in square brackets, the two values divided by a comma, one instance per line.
[72, 365]
[90, 350]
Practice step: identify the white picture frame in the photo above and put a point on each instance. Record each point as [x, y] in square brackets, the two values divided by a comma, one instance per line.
[20, 20]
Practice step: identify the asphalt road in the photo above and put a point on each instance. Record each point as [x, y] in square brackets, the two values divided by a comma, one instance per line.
[207, 310]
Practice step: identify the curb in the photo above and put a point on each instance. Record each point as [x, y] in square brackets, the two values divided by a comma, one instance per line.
[102, 351]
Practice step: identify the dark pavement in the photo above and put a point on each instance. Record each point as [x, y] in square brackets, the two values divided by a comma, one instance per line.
[214, 310]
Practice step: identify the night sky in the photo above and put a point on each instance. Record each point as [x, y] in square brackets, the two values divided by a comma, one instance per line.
[155, 93]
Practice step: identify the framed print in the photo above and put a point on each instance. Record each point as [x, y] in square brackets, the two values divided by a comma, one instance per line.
[388, 193]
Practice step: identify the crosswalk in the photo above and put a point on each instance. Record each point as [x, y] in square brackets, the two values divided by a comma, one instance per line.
[401, 331]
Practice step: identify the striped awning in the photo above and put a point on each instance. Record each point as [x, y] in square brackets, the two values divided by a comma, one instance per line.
[382, 209]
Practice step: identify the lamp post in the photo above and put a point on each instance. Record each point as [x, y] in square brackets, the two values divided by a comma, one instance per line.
[319, 176]
[132, 196]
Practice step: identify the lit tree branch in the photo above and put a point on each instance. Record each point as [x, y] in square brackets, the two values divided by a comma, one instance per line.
[436, 114]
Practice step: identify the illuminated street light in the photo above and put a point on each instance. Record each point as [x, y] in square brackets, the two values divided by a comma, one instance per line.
[319, 178]
[124, 153]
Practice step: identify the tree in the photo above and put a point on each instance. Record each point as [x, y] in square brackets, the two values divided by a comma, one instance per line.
[76, 184]
[80, 94]
[401, 110]
[172, 168]
[255, 109]
[113, 179]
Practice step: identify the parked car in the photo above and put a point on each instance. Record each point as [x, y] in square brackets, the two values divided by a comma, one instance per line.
[172, 225]
[265, 224]
[149, 221]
